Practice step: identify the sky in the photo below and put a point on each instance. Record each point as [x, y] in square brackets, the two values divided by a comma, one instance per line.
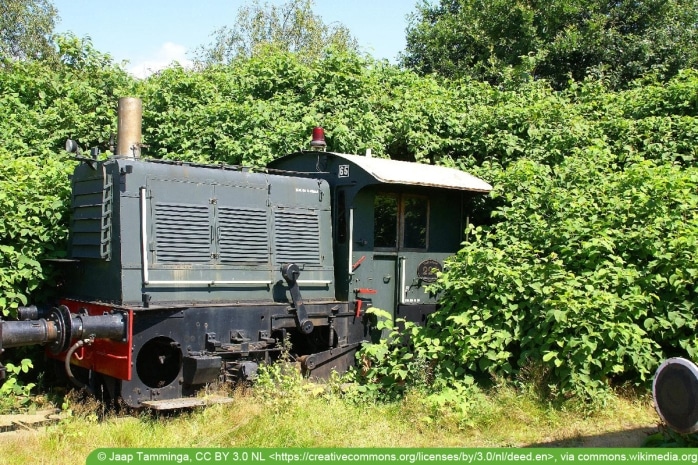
[151, 34]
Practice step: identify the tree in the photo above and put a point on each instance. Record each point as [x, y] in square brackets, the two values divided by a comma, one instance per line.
[554, 40]
[26, 28]
[291, 27]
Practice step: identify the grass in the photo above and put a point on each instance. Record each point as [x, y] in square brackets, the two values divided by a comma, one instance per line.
[308, 415]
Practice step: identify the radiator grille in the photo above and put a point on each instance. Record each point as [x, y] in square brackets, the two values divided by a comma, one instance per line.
[183, 233]
[243, 235]
[297, 236]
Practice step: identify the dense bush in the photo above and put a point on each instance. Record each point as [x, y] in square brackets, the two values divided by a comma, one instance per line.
[259, 109]
[589, 267]
[42, 104]
[590, 271]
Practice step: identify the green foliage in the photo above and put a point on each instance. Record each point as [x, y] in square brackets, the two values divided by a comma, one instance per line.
[13, 393]
[388, 368]
[33, 224]
[41, 106]
[279, 385]
[26, 28]
[589, 266]
[255, 110]
[289, 27]
[487, 40]
[584, 267]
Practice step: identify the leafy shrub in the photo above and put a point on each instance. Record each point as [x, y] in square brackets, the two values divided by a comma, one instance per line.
[42, 104]
[588, 270]
[33, 197]
[14, 394]
[394, 364]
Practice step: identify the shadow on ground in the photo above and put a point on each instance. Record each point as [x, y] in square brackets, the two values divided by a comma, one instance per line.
[635, 437]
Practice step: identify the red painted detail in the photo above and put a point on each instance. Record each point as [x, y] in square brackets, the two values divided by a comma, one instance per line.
[104, 356]
[366, 290]
[358, 262]
[358, 308]
[80, 353]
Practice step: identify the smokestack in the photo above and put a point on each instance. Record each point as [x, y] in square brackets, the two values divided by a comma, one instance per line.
[130, 114]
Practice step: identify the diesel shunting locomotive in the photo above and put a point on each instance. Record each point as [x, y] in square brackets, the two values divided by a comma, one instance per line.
[181, 274]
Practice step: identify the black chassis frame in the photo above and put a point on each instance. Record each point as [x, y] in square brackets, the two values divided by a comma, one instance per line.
[176, 350]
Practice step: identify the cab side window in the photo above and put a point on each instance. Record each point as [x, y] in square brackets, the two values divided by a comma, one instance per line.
[415, 220]
[385, 214]
[400, 221]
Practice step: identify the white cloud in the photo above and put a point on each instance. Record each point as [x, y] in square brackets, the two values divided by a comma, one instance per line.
[163, 57]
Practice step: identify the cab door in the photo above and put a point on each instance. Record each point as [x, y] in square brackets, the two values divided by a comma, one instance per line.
[385, 250]
[391, 236]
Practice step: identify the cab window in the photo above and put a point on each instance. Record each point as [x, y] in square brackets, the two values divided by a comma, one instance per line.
[385, 213]
[400, 221]
[415, 215]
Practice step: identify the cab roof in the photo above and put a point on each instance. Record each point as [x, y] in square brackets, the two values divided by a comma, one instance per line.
[401, 172]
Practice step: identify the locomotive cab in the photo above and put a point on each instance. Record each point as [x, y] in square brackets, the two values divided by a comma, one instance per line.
[394, 224]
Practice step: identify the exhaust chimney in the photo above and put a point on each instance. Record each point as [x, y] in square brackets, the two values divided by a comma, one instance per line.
[130, 113]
